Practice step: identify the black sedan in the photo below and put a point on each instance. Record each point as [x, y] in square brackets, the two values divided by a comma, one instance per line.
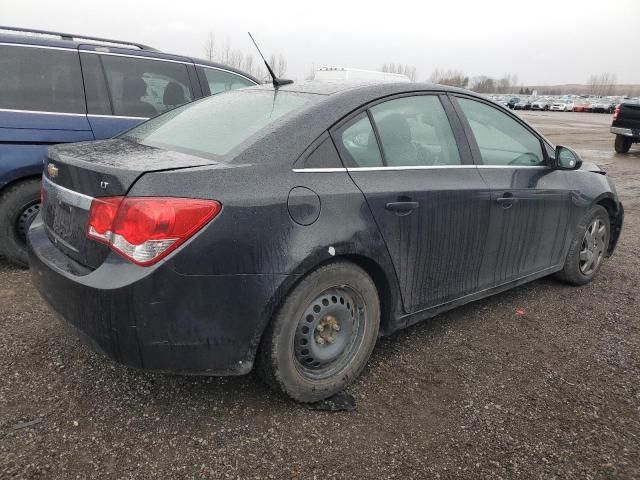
[288, 228]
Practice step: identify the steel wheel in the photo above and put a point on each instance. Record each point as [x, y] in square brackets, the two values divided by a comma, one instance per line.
[323, 334]
[26, 216]
[593, 247]
[329, 332]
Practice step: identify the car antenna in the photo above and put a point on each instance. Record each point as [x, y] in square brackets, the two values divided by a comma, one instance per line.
[277, 82]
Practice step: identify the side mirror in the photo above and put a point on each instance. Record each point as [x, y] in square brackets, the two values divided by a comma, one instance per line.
[567, 159]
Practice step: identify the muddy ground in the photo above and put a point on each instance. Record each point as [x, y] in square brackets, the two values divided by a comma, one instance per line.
[479, 392]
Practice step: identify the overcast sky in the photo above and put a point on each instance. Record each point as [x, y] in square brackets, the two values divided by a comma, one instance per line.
[542, 41]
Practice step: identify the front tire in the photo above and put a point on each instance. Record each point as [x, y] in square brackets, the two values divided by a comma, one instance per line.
[588, 247]
[323, 334]
[622, 144]
[19, 205]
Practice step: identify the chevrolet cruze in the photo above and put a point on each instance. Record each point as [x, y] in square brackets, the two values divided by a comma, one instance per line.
[288, 228]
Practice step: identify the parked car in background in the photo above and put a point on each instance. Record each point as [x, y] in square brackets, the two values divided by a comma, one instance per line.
[523, 104]
[541, 104]
[379, 206]
[604, 105]
[558, 106]
[60, 88]
[626, 126]
[511, 103]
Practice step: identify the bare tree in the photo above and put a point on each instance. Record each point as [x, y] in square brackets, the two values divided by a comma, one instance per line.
[210, 47]
[483, 84]
[223, 52]
[454, 78]
[408, 70]
[278, 64]
[312, 73]
[602, 84]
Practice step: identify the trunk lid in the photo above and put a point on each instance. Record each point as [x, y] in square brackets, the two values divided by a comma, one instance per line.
[75, 174]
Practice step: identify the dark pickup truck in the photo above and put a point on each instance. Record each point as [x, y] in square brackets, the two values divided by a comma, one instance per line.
[626, 126]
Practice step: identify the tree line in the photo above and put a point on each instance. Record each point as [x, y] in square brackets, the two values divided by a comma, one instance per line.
[223, 52]
[601, 84]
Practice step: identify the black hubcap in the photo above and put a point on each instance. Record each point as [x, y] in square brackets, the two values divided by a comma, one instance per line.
[27, 215]
[328, 334]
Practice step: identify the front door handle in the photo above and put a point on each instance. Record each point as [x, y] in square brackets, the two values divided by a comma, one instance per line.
[402, 208]
[506, 200]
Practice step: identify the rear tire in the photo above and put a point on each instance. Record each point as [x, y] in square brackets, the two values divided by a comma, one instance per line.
[323, 334]
[19, 205]
[622, 144]
[588, 247]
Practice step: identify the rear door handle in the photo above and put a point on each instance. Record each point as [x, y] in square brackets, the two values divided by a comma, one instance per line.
[402, 208]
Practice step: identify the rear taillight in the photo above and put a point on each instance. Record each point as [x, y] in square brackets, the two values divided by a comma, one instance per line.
[616, 113]
[146, 229]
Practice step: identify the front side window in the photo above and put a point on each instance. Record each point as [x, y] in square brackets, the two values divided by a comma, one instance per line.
[215, 125]
[502, 140]
[145, 88]
[40, 79]
[415, 131]
[220, 81]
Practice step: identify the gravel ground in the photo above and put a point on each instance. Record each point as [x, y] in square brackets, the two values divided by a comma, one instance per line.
[479, 392]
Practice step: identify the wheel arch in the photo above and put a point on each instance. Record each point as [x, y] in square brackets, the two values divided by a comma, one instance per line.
[615, 220]
[385, 284]
[18, 180]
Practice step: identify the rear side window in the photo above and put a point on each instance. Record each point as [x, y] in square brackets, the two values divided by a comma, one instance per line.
[215, 125]
[359, 144]
[220, 81]
[415, 131]
[145, 88]
[40, 79]
[501, 139]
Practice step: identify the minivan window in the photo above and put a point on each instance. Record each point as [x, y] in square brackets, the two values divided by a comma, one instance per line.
[220, 81]
[39, 79]
[95, 86]
[215, 125]
[145, 88]
[415, 131]
[501, 139]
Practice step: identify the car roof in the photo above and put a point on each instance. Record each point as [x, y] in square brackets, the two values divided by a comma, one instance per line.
[372, 88]
[114, 46]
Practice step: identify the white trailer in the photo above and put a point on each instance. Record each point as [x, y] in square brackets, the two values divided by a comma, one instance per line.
[357, 75]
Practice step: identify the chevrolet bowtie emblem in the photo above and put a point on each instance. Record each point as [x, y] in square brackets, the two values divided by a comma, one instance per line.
[52, 170]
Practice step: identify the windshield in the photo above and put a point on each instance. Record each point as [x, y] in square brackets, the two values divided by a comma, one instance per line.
[216, 125]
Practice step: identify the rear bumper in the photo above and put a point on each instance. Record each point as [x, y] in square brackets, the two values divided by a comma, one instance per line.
[154, 318]
[627, 132]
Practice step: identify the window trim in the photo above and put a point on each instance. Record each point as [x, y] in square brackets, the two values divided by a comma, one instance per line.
[473, 143]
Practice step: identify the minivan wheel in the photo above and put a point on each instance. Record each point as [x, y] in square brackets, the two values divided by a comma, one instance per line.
[588, 248]
[323, 335]
[622, 144]
[19, 205]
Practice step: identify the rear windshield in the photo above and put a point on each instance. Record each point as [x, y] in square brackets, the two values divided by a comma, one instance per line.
[216, 125]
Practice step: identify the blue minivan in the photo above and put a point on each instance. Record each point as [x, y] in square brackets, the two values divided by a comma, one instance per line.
[60, 88]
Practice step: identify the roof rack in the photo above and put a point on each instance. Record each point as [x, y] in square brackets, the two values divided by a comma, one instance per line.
[72, 36]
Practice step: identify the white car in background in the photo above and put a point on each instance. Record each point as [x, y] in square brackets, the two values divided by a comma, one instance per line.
[561, 106]
[541, 104]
